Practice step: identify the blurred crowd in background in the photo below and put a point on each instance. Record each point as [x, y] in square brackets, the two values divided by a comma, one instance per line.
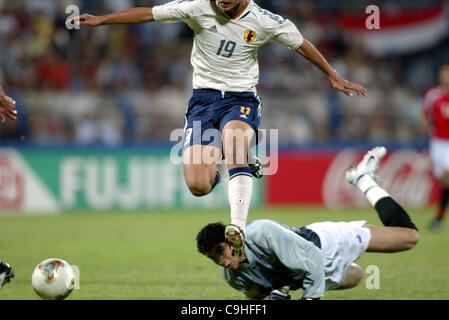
[116, 85]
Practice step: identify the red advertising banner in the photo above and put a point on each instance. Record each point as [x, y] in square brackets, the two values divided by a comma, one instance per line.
[12, 186]
[318, 177]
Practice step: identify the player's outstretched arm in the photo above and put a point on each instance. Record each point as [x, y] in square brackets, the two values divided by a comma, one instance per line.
[308, 51]
[7, 107]
[128, 16]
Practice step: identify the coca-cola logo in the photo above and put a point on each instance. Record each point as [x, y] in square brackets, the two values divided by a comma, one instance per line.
[11, 184]
[405, 174]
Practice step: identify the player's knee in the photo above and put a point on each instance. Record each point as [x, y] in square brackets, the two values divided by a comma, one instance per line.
[412, 238]
[354, 275]
[358, 274]
[199, 188]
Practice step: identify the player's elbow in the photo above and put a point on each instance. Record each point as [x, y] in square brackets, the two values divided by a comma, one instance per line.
[412, 239]
[139, 15]
[149, 15]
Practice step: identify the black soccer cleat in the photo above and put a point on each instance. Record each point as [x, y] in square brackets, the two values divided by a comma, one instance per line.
[256, 167]
[6, 273]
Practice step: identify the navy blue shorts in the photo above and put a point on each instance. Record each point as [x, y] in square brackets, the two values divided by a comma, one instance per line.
[209, 110]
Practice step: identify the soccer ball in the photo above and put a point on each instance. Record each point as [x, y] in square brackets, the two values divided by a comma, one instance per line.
[53, 279]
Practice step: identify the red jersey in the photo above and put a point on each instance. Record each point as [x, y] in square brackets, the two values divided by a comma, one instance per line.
[436, 108]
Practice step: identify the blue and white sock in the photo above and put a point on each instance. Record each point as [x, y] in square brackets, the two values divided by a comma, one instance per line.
[240, 189]
[221, 174]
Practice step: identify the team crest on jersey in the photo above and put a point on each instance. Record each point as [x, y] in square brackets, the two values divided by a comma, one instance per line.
[250, 35]
[245, 110]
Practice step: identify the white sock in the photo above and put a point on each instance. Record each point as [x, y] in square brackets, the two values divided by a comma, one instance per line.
[240, 189]
[371, 189]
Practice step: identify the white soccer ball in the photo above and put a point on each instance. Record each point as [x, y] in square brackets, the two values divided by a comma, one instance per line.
[53, 279]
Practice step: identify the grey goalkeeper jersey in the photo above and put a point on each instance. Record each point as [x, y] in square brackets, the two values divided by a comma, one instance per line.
[279, 256]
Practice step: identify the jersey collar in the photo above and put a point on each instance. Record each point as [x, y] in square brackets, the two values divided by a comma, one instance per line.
[247, 10]
[244, 13]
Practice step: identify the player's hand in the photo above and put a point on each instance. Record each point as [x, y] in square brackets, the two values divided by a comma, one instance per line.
[279, 294]
[7, 108]
[346, 86]
[86, 20]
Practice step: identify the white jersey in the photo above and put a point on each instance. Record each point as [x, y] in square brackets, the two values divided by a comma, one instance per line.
[224, 53]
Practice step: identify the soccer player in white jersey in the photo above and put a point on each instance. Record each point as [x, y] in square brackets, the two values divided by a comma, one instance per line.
[317, 257]
[224, 112]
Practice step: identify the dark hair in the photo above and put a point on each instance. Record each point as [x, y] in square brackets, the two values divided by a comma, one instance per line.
[210, 235]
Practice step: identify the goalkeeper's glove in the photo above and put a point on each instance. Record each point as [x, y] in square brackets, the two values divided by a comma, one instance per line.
[6, 273]
[279, 294]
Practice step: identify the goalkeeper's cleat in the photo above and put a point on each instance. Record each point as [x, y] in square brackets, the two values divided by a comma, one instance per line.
[279, 294]
[6, 273]
[368, 166]
[235, 238]
[256, 167]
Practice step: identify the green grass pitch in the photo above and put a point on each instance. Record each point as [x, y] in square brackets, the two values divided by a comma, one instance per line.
[152, 255]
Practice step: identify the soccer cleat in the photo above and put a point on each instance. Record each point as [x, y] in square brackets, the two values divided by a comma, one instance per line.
[368, 166]
[6, 273]
[235, 238]
[256, 167]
